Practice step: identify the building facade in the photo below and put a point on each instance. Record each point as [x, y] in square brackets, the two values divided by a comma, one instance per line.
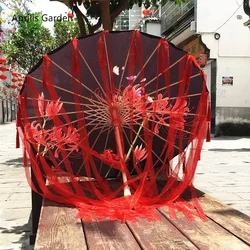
[216, 29]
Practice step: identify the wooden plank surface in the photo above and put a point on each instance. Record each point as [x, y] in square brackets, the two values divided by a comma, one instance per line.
[206, 235]
[159, 235]
[59, 228]
[109, 235]
[231, 219]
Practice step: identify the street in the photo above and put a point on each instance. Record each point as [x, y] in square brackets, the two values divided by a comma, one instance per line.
[223, 172]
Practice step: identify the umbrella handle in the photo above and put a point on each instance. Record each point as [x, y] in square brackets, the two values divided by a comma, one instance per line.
[126, 188]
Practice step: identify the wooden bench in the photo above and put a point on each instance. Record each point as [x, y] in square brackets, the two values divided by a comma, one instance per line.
[226, 229]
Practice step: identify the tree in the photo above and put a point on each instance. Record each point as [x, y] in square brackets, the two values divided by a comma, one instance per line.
[64, 31]
[105, 11]
[17, 5]
[31, 40]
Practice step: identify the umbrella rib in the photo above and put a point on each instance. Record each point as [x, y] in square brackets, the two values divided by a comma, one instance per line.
[146, 63]
[64, 113]
[173, 112]
[68, 91]
[67, 73]
[125, 65]
[105, 145]
[93, 146]
[92, 73]
[76, 131]
[64, 125]
[172, 65]
[90, 106]
[79, 142]
[107, 60]
[52, 146]
[142, 141]
[173, 84]
[64, 102]
[167, 125]
[164, 139]
[96, 120]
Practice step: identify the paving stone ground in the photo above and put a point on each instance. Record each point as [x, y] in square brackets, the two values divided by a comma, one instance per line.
[15, 202]
[223, 172]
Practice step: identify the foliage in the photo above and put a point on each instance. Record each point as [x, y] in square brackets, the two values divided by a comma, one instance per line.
[17, 5]
[31, 40]
[233, 127]
[65, 31]
[106, 11]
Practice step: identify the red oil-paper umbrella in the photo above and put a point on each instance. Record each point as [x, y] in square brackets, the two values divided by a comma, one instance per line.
[113, 124]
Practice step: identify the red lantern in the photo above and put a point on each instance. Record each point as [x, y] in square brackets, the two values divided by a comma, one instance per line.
[19, 89]
[70, 14]
[20, 79]
[3, 77]
[2, 60]
[20, 84]
[14, 80]
[13, 86]
[3, 68]
[14, 74]
[145, 12]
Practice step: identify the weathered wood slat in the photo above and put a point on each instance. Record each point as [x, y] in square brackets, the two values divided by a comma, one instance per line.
[159, 235]
[59, 229]
[206, 235]
[231, 219]
[109, 235]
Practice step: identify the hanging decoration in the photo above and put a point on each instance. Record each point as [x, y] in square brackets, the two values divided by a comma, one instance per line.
[145, 12]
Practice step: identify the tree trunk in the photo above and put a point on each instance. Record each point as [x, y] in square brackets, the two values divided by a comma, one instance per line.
[80, 20]
[105, 14]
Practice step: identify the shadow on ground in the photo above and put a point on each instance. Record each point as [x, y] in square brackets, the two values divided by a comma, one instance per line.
[233, 213]
[24, 232]
[229, 138]
[14, 162]
[230, 150]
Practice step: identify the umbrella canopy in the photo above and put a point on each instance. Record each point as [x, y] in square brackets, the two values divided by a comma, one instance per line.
[114, 105]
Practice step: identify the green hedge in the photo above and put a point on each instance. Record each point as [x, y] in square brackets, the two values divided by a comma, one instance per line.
[233, 127]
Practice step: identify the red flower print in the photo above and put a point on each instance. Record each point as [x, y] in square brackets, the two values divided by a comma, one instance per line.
[41, 104]
[140, 153]
[53, 108]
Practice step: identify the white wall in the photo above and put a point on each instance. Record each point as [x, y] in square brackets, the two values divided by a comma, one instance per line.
[237, 95]
[153, 28]
[232, 50]
[207, 71]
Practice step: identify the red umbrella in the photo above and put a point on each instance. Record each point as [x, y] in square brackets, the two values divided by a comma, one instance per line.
[122, 106]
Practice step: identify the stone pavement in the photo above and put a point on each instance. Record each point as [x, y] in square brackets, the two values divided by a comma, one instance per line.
[223, 172]
[15, 197]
